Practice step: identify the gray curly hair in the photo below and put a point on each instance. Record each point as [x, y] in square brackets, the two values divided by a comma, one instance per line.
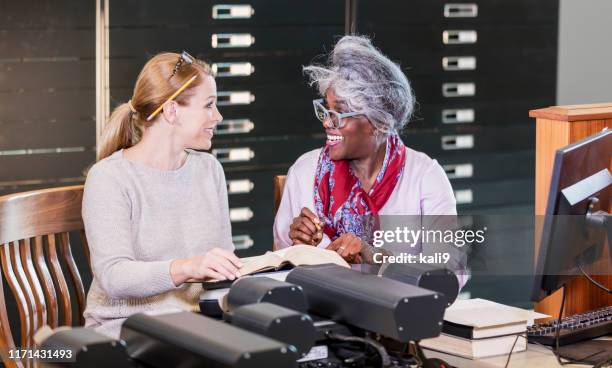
[367, 81]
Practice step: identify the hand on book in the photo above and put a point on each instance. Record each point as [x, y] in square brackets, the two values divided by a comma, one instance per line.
[306, 228]
[348, 246]
[216, 264]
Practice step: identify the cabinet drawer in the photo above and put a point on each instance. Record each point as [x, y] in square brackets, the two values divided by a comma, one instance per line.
[252, 241]
[263, 153]
[476, 139]
[449, 87]
[466, 168]
[215, 13]
[209, 44]
[465, 39]
[500, 193]
[514, 60]
[246, 185]
[457, 113]
[440, 12]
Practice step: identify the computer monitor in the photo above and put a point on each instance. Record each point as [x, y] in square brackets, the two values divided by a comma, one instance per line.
[576, 218]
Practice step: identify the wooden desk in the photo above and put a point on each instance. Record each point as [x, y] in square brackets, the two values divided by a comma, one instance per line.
[535, 356]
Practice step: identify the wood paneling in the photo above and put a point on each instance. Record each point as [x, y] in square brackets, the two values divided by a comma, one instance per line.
[556, 127]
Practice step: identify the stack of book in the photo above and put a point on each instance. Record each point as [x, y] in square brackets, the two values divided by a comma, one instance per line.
[479, 328]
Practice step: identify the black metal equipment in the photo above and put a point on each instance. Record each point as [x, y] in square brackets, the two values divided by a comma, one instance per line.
[276, 322]
[249, 290]
[436, 279]
[87, 349]
[187, 340]
[391, 308]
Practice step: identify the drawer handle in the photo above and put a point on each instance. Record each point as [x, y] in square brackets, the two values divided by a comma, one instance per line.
[459, 171]
[464, 196]
[234, 126]
[240, 214]
[225, 155]
[453, 63]
[454, 116]
[456, 142]
[232, 11]
[243, 69]
[225, 98]
[242, 242]
[231, 40]
[459, 37]
[239, 186]
[458, 89]
[460, 10]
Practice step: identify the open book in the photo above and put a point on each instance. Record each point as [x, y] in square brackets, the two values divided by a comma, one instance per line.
[297, 255]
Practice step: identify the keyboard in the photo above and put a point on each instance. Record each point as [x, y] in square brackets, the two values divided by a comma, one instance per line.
[576, 328]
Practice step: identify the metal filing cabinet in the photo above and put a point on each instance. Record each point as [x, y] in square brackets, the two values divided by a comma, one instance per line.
[257, 49]
[477, 67]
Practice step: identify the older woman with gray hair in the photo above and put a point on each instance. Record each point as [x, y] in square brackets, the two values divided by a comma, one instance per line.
[333, 195]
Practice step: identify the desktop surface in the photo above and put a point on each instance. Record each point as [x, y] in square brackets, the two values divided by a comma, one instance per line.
[535, 356]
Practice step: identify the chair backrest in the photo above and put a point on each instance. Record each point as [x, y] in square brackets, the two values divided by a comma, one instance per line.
[279, 185]
[33, 226]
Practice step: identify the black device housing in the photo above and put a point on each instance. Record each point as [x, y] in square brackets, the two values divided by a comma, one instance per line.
[278, 323]
[89, 349]
[397, 310]
[186, 339]
[250, 290]
[436, 279]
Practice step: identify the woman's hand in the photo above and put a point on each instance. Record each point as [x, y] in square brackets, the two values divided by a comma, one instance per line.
[216, 264]
[306, 228]
[348, 246]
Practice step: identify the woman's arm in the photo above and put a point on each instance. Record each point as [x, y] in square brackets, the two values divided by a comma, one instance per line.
[107, 218]
[225, 232]
[437, 197]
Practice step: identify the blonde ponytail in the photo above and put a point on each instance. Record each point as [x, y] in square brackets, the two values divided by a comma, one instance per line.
[120, 132]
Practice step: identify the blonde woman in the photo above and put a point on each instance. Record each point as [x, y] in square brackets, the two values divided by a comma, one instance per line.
[156, 212]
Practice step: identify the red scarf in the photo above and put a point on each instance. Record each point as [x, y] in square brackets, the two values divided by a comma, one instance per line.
[340, 201]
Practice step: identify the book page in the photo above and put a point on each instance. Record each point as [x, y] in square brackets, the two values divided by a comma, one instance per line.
[258, 263]
[302, 254]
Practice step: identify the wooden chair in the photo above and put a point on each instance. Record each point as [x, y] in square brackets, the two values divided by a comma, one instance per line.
[33, 225]
[279, 185]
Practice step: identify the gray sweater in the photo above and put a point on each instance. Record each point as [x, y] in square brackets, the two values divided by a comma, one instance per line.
[137, 220]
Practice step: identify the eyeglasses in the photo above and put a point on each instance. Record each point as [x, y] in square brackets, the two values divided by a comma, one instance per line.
[184, 58]
[336, 118]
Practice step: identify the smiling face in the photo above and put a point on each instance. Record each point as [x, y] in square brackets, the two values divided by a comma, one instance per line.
[199, 116]
[355, 140]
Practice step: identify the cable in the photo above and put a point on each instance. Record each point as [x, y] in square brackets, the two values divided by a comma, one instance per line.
[418, 354]
[512, 349]
[594, 282]
[558, 327]
[385, 360]
[557, 333]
